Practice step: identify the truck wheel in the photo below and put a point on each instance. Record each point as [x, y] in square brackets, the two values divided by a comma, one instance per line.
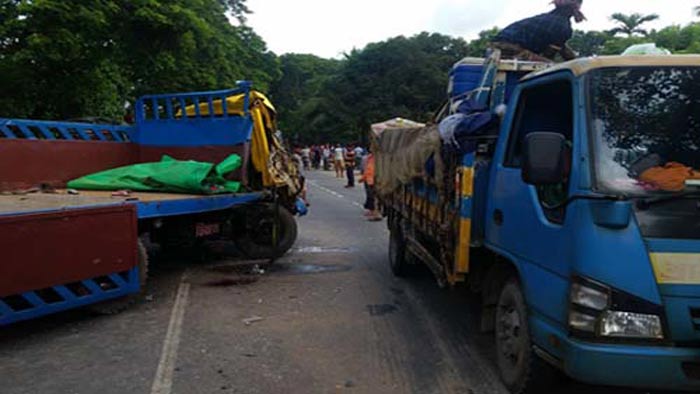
[522, 371]
[257, 240]
[397, 251]
[117, 305]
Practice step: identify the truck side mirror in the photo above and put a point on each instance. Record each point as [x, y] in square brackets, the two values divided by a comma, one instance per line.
[544, 161]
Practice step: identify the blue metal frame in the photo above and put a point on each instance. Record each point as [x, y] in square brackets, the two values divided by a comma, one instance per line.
[39, 306]
[50, 130]
[155, 209]
[159, 124]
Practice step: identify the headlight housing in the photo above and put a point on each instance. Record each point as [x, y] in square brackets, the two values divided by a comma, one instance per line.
[599, 311]
[631, 325]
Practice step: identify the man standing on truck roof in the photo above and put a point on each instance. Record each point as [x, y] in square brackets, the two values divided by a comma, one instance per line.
[541, 37]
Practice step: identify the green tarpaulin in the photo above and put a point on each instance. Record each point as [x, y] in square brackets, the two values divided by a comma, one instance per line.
[168, 175]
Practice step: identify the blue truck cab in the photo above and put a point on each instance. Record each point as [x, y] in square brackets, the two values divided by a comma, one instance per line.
[611, 271]
[580, 228]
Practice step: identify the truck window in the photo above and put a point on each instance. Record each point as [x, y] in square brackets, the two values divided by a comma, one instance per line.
[549, 108]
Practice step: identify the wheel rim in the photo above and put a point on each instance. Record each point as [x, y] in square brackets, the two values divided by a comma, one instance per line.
[511, 339]
[510, 335]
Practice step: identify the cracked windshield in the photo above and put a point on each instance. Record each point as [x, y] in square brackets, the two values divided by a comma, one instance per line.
[364, 197]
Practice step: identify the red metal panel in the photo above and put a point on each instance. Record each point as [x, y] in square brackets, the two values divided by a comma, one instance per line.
[209, 154]
[28, 163]
[42, 250]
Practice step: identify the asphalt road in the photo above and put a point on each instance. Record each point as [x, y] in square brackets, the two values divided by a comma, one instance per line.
[327, 318]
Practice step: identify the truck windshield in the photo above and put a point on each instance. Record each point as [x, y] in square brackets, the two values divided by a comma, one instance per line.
[645, 123]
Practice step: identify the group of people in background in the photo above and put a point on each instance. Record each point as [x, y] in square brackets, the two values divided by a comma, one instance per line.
[345, 161]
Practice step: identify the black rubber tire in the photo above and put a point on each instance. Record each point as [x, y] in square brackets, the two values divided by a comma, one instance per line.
[118, 305]
[397, 251]
[521, 370]
[287, 234]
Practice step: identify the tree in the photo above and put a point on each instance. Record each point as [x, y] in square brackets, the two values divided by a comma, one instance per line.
[401, 76]
[589, 43]
[296, 92]
[630, 24]
[71, 58]
[237, 8]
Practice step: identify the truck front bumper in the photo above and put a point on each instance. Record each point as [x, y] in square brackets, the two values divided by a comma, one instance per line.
[648, 367]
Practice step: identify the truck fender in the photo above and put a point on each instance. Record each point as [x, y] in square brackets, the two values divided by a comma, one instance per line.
[495, 278]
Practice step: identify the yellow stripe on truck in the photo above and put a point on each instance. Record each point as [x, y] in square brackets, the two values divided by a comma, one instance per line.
[676, 268]
[462, 252]
[467, 181]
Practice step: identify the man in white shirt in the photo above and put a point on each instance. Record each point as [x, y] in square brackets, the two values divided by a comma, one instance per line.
[338, 160]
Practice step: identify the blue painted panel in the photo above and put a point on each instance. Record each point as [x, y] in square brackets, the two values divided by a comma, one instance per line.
[465, 209]
[673, 245]
[191, 132]
[683, 291]
[640, 366]
[468, 160]
[681, 324]
[154, 209]
[70, 300]
[158, 123]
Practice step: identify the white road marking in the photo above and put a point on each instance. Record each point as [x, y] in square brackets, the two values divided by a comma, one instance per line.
[327, 190]
[163, 382]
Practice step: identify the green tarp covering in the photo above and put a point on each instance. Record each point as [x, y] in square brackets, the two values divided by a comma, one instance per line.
[168, 175]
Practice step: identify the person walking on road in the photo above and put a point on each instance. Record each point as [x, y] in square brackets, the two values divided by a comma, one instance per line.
[359, 153]
[367, 178]
[338, 161]
[306, 157]
[326, 157]
[350, 166]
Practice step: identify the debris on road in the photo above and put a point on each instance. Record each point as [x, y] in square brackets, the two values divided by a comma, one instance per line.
[250, 320]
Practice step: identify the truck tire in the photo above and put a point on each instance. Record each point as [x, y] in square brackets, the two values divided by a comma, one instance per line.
[521, 370]
[256, 241]
[117, 305]
[397, 251]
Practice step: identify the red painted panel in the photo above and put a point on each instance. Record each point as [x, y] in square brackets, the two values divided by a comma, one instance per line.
[209, 154]
[42, 250]
[29, 163]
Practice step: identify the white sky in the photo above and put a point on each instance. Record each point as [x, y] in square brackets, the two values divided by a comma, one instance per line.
[328, 28]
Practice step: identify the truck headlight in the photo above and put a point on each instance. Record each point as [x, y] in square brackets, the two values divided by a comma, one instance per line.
[630, 325]
[585, 294]
[596, 310]
[582, 322]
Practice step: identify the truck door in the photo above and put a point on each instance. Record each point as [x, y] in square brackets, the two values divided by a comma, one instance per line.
[524, 223]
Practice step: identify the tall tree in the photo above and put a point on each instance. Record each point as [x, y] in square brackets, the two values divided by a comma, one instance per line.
[402, 76]
[70, 58]
[630, 24]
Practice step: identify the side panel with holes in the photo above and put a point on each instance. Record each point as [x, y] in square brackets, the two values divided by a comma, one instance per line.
[60, 260]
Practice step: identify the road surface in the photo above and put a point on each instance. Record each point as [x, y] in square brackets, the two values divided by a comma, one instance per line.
[327, 318]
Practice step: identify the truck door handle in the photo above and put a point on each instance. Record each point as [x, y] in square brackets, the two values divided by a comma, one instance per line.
[498, 217]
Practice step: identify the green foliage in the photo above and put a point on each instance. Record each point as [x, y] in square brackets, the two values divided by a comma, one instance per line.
[630, 24]
[72, 58]
[404, 77]
[589, 43]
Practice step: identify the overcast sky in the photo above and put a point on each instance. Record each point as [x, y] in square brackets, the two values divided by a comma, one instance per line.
[328, 28]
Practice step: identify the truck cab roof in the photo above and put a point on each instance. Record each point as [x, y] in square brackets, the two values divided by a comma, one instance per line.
[582, 66]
